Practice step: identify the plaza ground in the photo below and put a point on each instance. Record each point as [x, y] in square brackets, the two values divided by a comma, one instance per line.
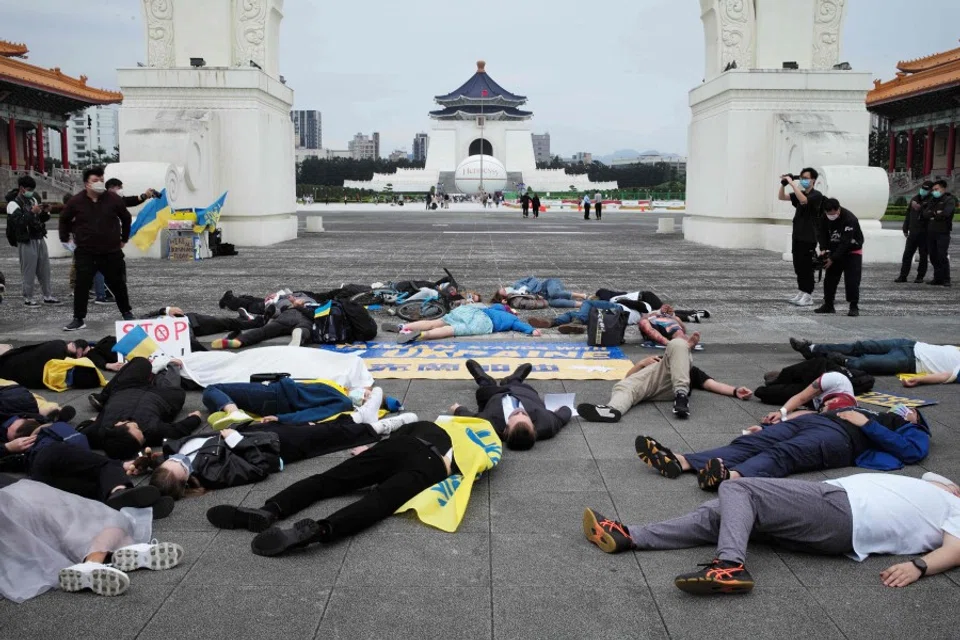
[519, 567]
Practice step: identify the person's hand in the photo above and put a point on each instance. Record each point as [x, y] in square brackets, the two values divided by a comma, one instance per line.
[536, 333]
[828, 263]
[194, 413]
[269, 419]
[743, 393]
[175, 311]
[649, 361]
[853, 417]
[177, 362]
[35, 209]
[900, 575]
[906, 234]
[454, 407]
[19, 445]
[754, 429]
[771, 418]
[115, 366]
[915, 205]
[911, 382]
[149, 193]
[788, 178]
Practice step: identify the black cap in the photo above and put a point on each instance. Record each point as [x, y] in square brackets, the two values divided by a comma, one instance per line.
[927, 184]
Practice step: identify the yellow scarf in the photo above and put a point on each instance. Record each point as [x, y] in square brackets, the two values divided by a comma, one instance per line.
[55, 372]
[476, 448]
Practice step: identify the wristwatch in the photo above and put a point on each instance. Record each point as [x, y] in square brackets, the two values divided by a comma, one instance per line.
[920, 564]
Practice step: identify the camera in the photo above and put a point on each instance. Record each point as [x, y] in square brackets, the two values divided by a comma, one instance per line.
[820, 262]
[791, 176]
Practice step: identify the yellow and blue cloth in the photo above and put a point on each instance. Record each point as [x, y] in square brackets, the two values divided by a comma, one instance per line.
[157, 213]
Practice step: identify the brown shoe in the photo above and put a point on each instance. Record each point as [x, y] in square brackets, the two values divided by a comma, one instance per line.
[572, 328]
[540, 323]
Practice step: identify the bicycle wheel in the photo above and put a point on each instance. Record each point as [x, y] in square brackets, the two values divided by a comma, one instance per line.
[366, 297]
[417, 310]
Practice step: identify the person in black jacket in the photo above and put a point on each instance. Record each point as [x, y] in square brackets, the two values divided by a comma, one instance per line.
[24, 365]
[808, 203]
[915, 231]
[138, 407]
[114, 185]
[514, 408]
[841, 242]
[939, 215]
[290, 316]
[535, 205]
[27, 230]
[525, 204]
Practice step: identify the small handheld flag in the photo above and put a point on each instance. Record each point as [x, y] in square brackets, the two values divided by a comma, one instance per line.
[136, 344]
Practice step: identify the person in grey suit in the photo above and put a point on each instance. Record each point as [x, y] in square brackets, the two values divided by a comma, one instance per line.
[514, 408]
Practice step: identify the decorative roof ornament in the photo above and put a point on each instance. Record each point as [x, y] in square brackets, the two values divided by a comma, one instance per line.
[479, 90]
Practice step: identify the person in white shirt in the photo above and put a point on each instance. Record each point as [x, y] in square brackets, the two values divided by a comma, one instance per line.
[598, 203]
[586, 206]
[856, 516]
[889, 357]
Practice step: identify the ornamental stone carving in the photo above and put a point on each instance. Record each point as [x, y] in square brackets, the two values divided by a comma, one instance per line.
[159, 21]
[828, 19]
[250, 32]
[737, 25]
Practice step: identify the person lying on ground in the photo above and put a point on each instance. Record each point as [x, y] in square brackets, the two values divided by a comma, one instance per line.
[550, 288]
[806, 441]
[415, 457]
[647, 302]
[54, 538]
[24, 365]
[465, 320]
[856, 516]
[60, 456]
[289, 316]
[660, 378]
[205, 325]
[662, 326]
[17, 401]
[780, 386]
[139, 407]
[887, 357]
[514, 408]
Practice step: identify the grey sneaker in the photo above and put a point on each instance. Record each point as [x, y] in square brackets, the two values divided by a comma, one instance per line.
[75, 325]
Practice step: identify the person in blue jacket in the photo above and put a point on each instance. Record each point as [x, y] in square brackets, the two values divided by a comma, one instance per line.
[550, 288]
[290, 401]
[804, 441]
[465, 320]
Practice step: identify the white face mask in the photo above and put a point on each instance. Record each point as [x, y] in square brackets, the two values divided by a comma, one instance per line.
[98, 187]
[119, 192]
[833, 217]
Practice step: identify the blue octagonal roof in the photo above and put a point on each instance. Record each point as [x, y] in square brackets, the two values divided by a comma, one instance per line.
[472, 90]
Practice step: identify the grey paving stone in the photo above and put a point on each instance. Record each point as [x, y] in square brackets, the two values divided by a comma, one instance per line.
[594, 611]
[517, 474]
[824, 571]
[549, 558]
[646, 507]
[545, 512]
[921, 610]
[194, 544]
[189, 513]
[407, 613]
[633, 476]
[231, 612]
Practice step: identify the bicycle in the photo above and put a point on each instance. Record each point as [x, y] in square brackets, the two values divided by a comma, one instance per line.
[435, 305]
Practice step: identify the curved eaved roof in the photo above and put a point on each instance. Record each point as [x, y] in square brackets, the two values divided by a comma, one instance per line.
[473, 90]
[472, 110]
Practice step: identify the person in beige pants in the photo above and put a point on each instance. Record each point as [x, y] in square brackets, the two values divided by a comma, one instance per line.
[659, 378]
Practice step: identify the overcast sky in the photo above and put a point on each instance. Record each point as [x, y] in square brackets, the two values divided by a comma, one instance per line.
[600, 75]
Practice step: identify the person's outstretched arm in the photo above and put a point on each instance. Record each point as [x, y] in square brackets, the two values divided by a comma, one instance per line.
[650, 332]
[723, 389]
[931, 378]
[943, 559]
[794, 403]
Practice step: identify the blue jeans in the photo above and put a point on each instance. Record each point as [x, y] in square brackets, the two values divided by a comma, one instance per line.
[781, 450]
[551, 289]
[263, 400]
[99, 287]
[877, 357]
[583, 313]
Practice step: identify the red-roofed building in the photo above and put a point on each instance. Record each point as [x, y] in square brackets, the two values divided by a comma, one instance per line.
[921, 108]
[33, 99]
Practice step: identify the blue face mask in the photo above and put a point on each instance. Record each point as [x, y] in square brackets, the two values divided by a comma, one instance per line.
[924, 193]
[184, 460]
[901, 410]
[937, 194]
[28, 194]
[805, 183]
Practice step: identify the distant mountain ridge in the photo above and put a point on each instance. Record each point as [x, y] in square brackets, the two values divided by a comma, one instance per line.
[632, 154]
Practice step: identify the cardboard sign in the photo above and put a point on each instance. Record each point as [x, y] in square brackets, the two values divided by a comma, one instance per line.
[181, 249]
[890, 400]
[172, 335]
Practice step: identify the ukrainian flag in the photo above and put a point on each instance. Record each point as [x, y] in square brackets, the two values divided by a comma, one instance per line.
[152, 218]
[210, 217]
[322, 310]
[136, 344]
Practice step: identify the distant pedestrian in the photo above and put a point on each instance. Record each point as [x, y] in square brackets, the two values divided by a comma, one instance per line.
[525, 204]
[535, 201]
[27, 230]
[598, 203]
[586, 206]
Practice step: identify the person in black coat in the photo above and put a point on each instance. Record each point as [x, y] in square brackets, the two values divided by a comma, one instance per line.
[915, 231]
[841, 244]
[535, 205]
[24, 365]
[514, 408]
[939, 216]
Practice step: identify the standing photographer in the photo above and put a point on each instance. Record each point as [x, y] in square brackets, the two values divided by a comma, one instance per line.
[842, 243]
[27, 230]
[808, 202]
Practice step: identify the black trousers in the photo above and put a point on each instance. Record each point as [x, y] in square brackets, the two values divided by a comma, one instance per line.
[401, 467]
[204, 325]
[939, 247]
[114, 270]
[18, 401]
[138, 374]
[488, 390]
[77, 470]
[586, 212]
[851, 268]
[252, 304]
[597, 207]
[803, 254]
[526, 210]
[281, 325]
[303, 441]
[915, 242]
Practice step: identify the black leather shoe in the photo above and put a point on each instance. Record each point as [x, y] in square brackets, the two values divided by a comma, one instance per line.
[478, 373]
[900, 279]
[854, 312]
[227, 516]
[520, 374]
[275, 540]
[825, 308]
[226, 298]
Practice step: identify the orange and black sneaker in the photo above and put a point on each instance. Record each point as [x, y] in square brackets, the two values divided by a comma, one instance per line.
[611, 536]
[720, 576]
[658, 456]
[710, 477]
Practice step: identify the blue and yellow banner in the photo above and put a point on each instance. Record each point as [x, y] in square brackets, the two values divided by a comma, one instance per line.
[210, 217]
[153, 217]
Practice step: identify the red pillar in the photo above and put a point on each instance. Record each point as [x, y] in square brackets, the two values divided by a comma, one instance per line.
[12, 142]
[910, 152]
[893, 152]
[41, 160]
[29, 147]
[64, 147]
[928, 155]
[951, 148]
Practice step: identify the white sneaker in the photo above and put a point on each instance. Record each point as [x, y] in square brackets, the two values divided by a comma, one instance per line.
[369, 412]
[154, 555]
[388, 425]
[795, 299]
[99, 578]
[806, 300]
[296, 337]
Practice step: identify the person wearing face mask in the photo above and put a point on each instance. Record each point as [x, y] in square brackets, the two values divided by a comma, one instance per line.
[27, 230]
[841, 241]
[100, 224]
[915, 231]
[807, 202]
[939, 214]
[116, 186]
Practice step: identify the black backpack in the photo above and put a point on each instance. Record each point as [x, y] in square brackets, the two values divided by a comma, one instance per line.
[330, 325]
[362, 326]
[606, 327]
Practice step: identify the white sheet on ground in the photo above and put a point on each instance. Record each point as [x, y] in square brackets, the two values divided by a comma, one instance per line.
[45, 530]
[219, 367]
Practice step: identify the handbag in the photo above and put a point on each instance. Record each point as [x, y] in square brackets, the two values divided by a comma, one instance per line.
[607, 327]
